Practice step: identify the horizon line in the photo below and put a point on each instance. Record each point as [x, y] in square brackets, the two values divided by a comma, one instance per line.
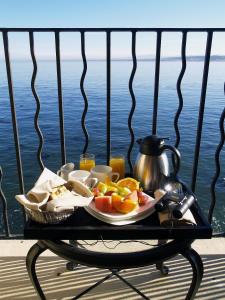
[215, 57]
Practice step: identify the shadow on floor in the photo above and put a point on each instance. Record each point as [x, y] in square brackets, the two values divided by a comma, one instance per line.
[15, 284]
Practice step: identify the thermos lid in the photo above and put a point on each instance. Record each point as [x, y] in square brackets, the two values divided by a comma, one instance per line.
[151, 145]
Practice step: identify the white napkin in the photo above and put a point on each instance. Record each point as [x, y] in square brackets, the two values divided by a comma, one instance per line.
[38, 196]
[68, 202]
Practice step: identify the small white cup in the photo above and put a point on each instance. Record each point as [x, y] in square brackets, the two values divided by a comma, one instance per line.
[101, 172]
[84, 177]
[65, 170]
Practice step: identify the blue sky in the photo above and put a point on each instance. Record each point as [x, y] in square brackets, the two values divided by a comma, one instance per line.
[105, 13]
[117, 13]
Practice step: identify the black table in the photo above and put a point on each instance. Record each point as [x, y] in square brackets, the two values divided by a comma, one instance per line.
[82, 226]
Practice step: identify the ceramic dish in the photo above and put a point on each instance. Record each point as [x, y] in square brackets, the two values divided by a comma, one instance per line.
[133, 216]
[131, 220]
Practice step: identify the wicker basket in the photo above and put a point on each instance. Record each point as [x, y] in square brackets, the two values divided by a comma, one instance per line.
[46, 217]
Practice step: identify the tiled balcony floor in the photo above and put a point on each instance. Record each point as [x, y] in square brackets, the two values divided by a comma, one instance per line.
[15, 284]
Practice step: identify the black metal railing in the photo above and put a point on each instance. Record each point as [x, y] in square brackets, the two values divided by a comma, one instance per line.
[108, 32]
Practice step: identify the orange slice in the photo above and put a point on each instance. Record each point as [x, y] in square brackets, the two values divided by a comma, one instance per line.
[130, 183]
[123, 206]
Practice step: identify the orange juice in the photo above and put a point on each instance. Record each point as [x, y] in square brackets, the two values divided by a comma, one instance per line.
[87, 164]
[87, 161]
[117, 163]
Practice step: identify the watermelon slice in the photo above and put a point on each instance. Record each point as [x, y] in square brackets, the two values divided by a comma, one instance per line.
[104, 204]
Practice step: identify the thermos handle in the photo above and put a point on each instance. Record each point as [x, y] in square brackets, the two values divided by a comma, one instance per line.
[177, 154]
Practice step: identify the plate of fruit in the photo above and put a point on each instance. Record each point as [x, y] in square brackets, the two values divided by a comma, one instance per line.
[121, 201]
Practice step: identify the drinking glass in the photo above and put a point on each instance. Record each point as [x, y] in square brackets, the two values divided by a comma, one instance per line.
[87, 161]
[117, 163]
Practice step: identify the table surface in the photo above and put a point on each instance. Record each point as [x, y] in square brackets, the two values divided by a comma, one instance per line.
[82, 226]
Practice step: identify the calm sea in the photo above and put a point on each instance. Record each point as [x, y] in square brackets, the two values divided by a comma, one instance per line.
[95, 86]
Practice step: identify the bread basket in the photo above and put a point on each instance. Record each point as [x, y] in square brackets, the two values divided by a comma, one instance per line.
[47, 217]
[54, 217]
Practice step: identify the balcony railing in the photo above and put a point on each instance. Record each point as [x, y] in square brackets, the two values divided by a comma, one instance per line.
[6, 230]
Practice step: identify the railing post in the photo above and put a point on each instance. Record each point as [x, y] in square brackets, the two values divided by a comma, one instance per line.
[13, 114]
[108, 96]
[201, 108]
[133, 50]
[83, 91]
[217, 162]
[4, 206]
[13, 111]
[156, 88]
[37, 128]
[60, 98]
[179, 93]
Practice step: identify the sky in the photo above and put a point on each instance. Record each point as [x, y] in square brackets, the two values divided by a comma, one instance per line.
[112, 13]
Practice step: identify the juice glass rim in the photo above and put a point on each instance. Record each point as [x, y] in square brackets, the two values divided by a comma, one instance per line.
[87, 156]
[117, 156]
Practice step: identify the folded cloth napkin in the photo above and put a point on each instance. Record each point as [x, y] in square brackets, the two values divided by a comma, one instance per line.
[166, 218]
[67, 203]
[38, 197]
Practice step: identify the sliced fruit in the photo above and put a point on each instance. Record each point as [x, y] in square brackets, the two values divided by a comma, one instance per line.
[100, 194]
[142, 198]
[112, 189]
[109, 193]
[129, 183]
[111, 183]
[125, 206]
[116, 197]
[102, 187]
[95, 192]
[124, 191]
[121, 205]
[132, 196]
[104, 203]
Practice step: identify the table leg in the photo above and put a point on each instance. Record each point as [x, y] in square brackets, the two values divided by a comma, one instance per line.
[160, 265]
[31, 259]
[197, 267]
[71, 266]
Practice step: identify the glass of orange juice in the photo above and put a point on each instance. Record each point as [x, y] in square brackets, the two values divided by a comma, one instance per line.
[117, 163]
[87, 161]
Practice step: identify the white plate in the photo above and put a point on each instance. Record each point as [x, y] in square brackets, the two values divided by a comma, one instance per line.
[120, 222]
[116, 217]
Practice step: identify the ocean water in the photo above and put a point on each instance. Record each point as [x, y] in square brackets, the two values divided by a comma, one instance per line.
[95, 87]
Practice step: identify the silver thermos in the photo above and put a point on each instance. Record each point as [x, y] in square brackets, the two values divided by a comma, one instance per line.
[152, 166]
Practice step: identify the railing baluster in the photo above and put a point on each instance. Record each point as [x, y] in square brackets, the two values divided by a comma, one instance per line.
[13, 111]
[13, 114]
[217, 161]
[83, 92]
[33, 79]
[60, 98]
[133, 100]
[180, 107]
[201, 108]
[108, 104]
[156, 88]
[4, 206]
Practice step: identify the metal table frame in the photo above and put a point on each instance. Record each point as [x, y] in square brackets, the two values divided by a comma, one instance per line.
[83, 226]
[115, 262]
